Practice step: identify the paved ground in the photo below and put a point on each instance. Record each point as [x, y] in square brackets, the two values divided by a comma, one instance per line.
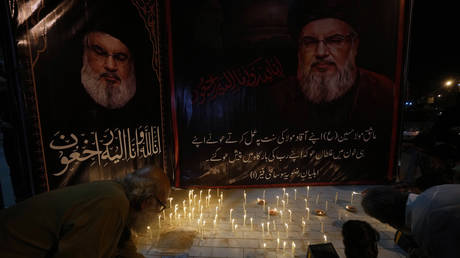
[183, 237]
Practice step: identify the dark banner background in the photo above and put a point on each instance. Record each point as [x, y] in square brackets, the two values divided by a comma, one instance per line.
[228, 57]
[79, 140]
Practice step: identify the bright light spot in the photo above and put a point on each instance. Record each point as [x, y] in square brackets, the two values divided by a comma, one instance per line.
[439, 95]
[448, 83]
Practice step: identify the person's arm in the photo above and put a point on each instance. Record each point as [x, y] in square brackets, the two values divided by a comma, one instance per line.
[128, 250]
[94, 233]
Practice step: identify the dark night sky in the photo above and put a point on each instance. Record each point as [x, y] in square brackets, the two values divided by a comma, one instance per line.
[435, 45]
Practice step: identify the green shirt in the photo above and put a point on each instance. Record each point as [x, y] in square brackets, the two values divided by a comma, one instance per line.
[85, 220]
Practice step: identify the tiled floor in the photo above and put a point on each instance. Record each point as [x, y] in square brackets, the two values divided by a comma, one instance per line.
[223, 240]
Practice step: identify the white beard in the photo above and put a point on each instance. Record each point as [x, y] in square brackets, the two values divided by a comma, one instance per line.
[322, 89]
[105, 93]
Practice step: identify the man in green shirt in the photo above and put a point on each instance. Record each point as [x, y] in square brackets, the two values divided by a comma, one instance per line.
[88, 220]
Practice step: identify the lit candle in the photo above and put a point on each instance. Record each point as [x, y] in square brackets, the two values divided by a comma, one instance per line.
[190, 217]
[306, 203]
[277, 201]
[199, 203]
[278, 242]
[281, 215]
[284, 192]
[159, 221]
[251, 223]
[308, 213]
[263, 195]
[185, 211]
[244, 196]
[336, 197]
[214, 222]
[209, 192]
[230, 218]
[236, 227]
[233, 223]
[284, 205]
[317, 199]
[178, 218]
[217, 210]
[290, 215]
[194, 199]
[265, 245]
[268, 212]
[202, 230]
[170, 201]
[303, 226]
[201, 191]
[287, 198]
[284, 246]
[244, 220]
[170, 218]
[293, 248]
[164, 214]
[295, 194]
[176, 207]
[268, 227]
[219, 202]
[150, 232]
[287, 229]
[308, 191]
[263, 230]
[325, 238]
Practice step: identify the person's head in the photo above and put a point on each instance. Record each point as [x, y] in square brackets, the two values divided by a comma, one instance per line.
[108, 73]
[327, 48]
[360, 239]
[386, 204]
[147, 190]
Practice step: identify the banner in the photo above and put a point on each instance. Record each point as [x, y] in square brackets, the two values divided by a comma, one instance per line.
[284, 92]
[94, 86]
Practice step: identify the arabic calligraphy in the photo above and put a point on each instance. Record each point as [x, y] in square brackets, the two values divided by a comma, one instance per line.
[110, 146]
[268, 173]
[253, 138]
[258, 72]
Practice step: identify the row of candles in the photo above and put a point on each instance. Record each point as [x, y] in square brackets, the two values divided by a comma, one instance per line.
[195, 202]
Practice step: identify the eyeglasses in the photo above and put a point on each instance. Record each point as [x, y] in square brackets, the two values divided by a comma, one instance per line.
[101, 52]
[335, 41]
[162, 205]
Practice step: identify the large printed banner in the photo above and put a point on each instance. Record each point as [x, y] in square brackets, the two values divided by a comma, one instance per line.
[283, 92]
[94, 74]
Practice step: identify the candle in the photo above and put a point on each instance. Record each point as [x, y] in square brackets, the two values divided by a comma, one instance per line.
[233, 223]
[230, 218]
[194, 199]
[199, 203]
[176, 207]
[263, 230]
[284, 246]
[277, 201]
[293, 248]
[170, 201]
[209, 192]
[284, 192]
[278, 242]
[251, 223]
[244, 220]
[263, 195]
[325, 238]
[217, 192]
[185, 211]
[295, 194]
[287, 198]
[281, 215]
[317, 199]
[287, 229]
[244, 196]
[150, 232]
[190, 217]
[170, 218]
[306, 203]
[268, 227]
[217, 210]
[284, 205]
[164, 214]
[265, 245]
[308, 191]
[159, 221]
[215, 223]
[236, 227]
[201, 191]
[202, 230]
[274, 225]
[268, 212]
[303, 226]
[308, 213]
[336, 197]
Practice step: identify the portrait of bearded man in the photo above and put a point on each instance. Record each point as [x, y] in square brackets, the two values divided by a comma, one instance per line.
[108, 73]
[330, 90]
